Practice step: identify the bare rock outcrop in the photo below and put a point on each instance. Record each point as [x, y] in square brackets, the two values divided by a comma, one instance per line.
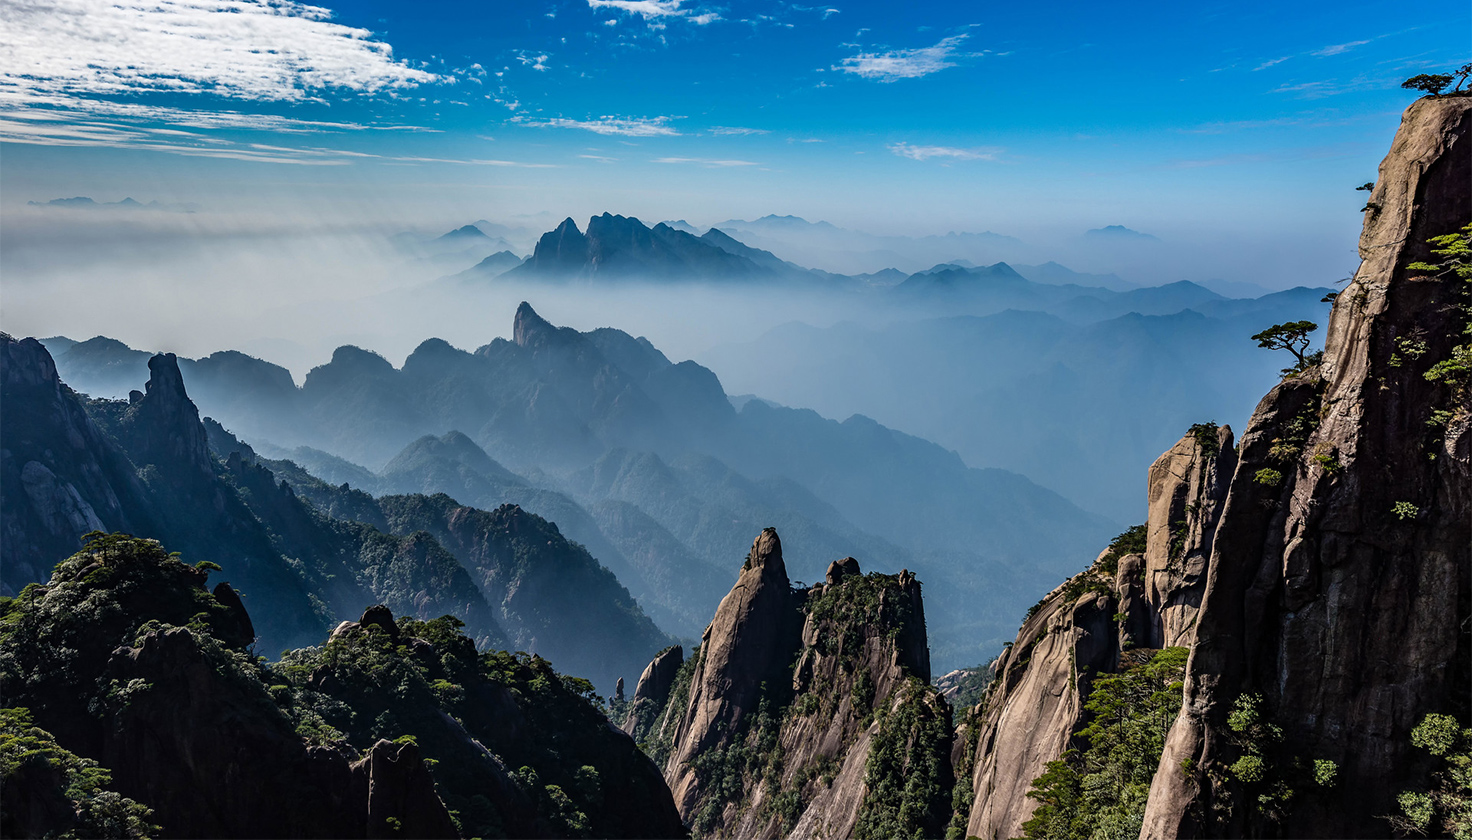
[1035, 706]
[1337, 586]
[1187, 487]
[87, 486]
[1036, 702]
[652, 691]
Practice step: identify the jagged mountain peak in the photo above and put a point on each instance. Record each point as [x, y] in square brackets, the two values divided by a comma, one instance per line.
[164, 421]
[531, 330]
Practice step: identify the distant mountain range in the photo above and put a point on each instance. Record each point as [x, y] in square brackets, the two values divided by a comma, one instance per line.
[83, 202]
[647, 463]
[1120, 232]
[1050, 385]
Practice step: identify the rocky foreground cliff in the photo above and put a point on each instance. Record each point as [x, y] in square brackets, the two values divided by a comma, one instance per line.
[1317, 573]
[134, 706]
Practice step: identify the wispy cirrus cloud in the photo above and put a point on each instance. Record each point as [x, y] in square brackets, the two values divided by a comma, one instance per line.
[894, 65]
[70, 121]
[733, 131]
[264, 50]
[655, 10]
[706, 162]
[912, 152]
[1336, 49]
[613, 126]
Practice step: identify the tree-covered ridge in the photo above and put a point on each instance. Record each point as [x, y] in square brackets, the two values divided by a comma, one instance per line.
[125, 658]
[1099, 789]
[517, 749]
[52, 792]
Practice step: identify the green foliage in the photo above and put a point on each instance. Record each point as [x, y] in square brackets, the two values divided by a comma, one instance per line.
[31, 760]
[962, 795]
[1455, 371]
[905, 778]
[368, 685]
[1405, 510]
[1434, 84]
[854, 603]
[729, 772]
[1100, 790]
[1292, 336]
[662, 730]
[1445, 809]
[972, 686]
[1270, 777]
[1205, 435]
[1267, 477]
[1328, 462]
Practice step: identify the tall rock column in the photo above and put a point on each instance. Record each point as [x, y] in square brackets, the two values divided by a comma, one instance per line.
[749, 642]
[1337, 587]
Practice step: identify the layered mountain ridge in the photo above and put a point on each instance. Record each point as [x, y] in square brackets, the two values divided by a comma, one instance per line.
[305, 554]
[647, 463]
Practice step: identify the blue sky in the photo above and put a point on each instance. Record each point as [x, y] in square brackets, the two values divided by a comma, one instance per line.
[1037, 120]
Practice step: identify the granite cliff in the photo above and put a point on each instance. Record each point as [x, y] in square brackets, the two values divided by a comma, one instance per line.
[1317, 571]
[1337, 590]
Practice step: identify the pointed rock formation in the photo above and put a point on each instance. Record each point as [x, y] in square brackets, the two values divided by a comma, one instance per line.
[60, 474]
[653, 691]
[163, 427]
[746, 646]
[809, 713]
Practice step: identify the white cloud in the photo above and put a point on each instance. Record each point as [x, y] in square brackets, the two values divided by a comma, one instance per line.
[1270, 62]
[732, 131]
[905, 64]
[706, 162]
[268, 50]
[619, 126]
[951, 152]
[655, 10]
[1336, 49]
[536, 62]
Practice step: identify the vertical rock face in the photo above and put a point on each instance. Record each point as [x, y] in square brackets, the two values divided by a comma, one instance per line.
[1079, 630]
[1037, 702]
[1339, 596]
[1187, 487]
[748, 643]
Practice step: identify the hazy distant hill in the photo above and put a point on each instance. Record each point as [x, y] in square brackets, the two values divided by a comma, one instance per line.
[665, 475]
[622, 247]
[1056, 398]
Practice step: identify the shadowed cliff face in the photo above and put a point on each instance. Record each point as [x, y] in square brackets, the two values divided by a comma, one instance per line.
[59, 475]
[1340, 596]
[808, 713]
